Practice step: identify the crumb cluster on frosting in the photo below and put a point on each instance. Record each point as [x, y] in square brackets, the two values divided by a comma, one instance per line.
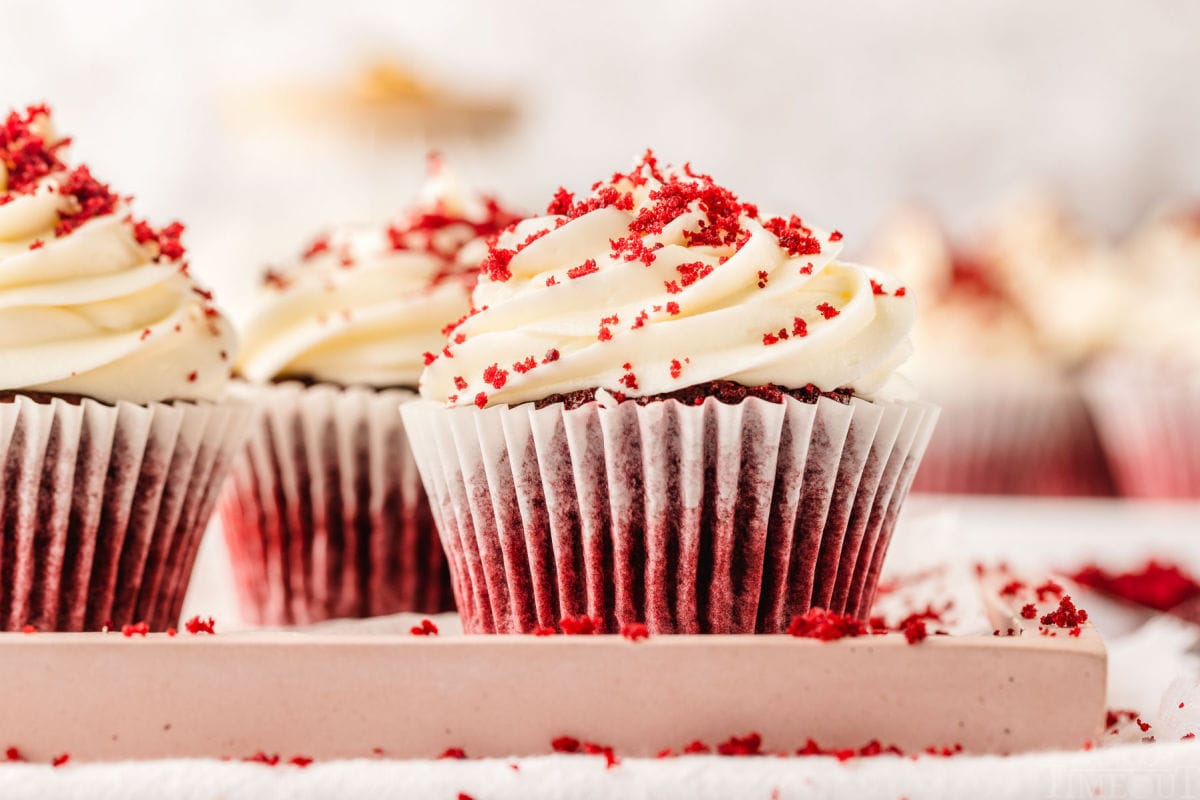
[362, 303]
[94, 301]
[660, 279]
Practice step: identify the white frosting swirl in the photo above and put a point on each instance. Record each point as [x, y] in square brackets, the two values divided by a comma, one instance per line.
[365, 304]
[91, 303]
[579, 307]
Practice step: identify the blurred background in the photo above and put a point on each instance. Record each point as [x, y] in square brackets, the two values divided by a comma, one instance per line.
[1027, 167]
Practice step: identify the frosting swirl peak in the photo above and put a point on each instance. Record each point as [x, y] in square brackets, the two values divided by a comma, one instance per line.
[662, 279]
[92, 301]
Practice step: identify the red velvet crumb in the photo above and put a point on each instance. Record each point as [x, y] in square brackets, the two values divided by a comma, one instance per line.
[1029, 611]
[565, 744]
[197, 625]
[453, 753]
[817, 623]
[633, 631]
[426, 628]
[59, 760]
[582, 625]
[748, 745]
[13, 754]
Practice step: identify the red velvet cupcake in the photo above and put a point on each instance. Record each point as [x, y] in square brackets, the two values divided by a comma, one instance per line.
[114, 440]
[325, 516]
[668, 409]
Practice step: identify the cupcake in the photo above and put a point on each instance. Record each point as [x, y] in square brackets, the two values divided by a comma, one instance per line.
[991, 351]
[325, 516]
[1152, 438]
[668, 409]
[114, 438]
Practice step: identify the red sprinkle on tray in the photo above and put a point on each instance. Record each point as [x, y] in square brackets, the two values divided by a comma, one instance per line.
[199, 625]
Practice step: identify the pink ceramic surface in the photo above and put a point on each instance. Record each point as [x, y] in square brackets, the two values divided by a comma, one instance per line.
[324, 696]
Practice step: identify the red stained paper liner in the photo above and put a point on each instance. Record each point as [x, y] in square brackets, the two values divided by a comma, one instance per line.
[102, 508]
[1150, 427]
[325, 515]
[1026, 440]
[692, 519]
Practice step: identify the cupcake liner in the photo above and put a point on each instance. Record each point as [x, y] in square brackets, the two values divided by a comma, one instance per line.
[1029, 439]
[325, 516]
[102, 508]
[692, 519]
[1151, 434]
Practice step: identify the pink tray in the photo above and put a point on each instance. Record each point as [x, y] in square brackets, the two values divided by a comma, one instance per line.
[105, 696]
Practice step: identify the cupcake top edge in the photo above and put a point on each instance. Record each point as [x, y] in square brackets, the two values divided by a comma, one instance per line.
[362, 303]
[661, 279]
[93, 300]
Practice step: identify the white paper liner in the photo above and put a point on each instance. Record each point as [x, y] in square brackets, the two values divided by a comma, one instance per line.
[325, 515]
[102, 507]
[692, 519]
[1026, 439]
[1150, 429]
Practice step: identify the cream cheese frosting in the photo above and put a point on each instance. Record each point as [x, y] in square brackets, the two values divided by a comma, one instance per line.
[661, 280]
[364, 303]
[92, 301]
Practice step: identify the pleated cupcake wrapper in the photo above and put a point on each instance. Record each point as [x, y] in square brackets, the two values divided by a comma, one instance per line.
[325, 516]
[102, 508]
[1015, 440]
[692, 519]
[1151, 434]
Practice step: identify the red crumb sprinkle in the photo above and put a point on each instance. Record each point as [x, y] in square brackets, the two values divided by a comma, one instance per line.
[145, 334]
[28, 629]
[13, 754]
[92, 199]
[1029, 611]
[37, 244]
[836, 236]
[300, 761]
[172, 632]
[672, 308]
[26, 156]
[519, 367]
[876, 287]
[136, 629]
[1156, 585]
[762, 279]
[59, 760]
[586, 268]
[1048, 588]
[197, 625]
[1011, 588]
[270, 760]
[565, 744]
[464, 796]
[610, 756]
[318, 246]
[748, 745]
[459, 382]
[1066, 615]
[426, 628]
[1144, 726]
[581, 625]
[1187, 736]
[828, 626]
[454, 753]
[799, 327]
[695, 748]
[666, 752]
[429, 358]
[794, 236]
[543, 630]
[828, 311]
[676, 368]
[628, 380]
[633, 631]
[192, 376]
[481, 400]
[496, 376]
[550, 357]
[915, 631]
[900, 292]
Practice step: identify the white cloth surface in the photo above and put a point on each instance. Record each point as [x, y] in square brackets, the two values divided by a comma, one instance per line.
[1152, 669]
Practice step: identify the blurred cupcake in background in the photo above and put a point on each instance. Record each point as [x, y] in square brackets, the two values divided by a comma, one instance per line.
[992, 352]
[325, 516]
[114, 435]
[670, 410]
[1152, 435]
